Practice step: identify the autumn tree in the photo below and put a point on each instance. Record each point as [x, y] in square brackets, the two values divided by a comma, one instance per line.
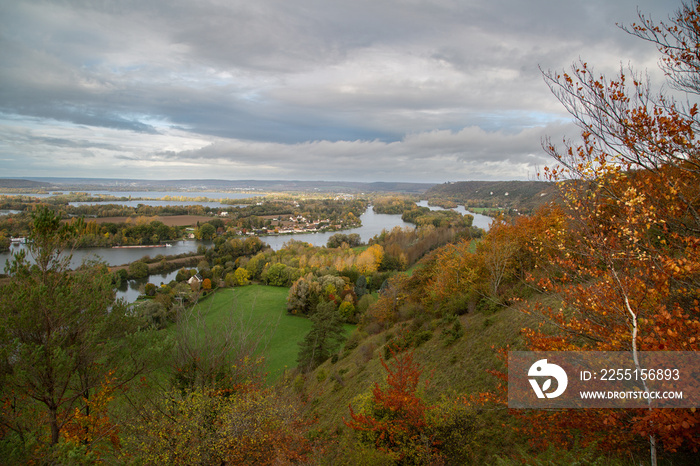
[338, 239]
[61, 333]
[299, 298]
[308, 291]
[93, 426]
[395, 418]
[370, 259]
[627, 268]
[347, 311]
[206, 284]
[241, 277]
[254, 425]
[392, 296]
[497, 253]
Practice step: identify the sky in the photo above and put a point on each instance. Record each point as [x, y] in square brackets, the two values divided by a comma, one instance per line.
[339, 90]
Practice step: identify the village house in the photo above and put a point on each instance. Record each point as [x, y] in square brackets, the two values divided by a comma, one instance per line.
[195, 282]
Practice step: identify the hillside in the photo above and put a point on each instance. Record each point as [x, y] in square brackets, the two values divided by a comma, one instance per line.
[521, 195]
[453, 369]
[451, 366]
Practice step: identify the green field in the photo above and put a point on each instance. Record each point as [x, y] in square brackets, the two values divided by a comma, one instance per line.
[264, 309]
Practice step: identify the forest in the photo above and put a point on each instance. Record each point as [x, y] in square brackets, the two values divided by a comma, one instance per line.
[401, 351]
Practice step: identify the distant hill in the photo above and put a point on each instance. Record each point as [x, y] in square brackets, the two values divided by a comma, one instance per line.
[11, 183]
[521, 195]
[212, 184]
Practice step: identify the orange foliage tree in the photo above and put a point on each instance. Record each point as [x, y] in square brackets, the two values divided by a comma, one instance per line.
[206, 284]
[391, 297]
[93, 426]
[395, 421]
[496, 270]
[627, 262]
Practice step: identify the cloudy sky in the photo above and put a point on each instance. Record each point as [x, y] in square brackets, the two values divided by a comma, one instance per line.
[355, 90]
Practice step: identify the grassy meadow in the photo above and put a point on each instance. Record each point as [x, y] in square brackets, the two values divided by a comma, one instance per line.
[263, 310]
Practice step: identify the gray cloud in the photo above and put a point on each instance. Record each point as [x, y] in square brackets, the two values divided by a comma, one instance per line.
[366, 89]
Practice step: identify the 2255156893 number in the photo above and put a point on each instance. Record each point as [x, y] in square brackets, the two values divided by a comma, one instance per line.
[640, 374]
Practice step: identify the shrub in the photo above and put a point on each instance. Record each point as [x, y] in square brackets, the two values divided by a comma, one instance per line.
[138, 269]
[347, 311]
[154, 313]
[453, 333]
[394, 420]
[150, 289]
[355, 338]
[120, 276]
[364, 303]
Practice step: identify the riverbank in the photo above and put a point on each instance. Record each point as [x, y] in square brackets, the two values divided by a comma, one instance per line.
[158, 267]
[169, 220]
[165, 265]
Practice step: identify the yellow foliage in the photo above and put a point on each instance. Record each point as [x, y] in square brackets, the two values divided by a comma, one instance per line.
[369, 260]
[256, 426]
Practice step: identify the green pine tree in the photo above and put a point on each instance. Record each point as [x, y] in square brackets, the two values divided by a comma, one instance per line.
[324, 338]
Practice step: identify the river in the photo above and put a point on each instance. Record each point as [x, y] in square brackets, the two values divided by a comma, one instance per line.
[158, 203]
[372, 225]
[154, 198]
[130, 291]
[480, 221]
[148, 194]
[119, 256]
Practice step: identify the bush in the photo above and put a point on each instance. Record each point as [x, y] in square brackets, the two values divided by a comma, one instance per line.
[366, 352]
[182, 275]
[355, 338]
[120, 276]
[150, 289]
[458, 430]
[458, 304]
[421, 337]
[138, 269]
[453, 333]
[154, 313]
[298, 383]
[257, 426]
[347, 311]
[364, 303]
